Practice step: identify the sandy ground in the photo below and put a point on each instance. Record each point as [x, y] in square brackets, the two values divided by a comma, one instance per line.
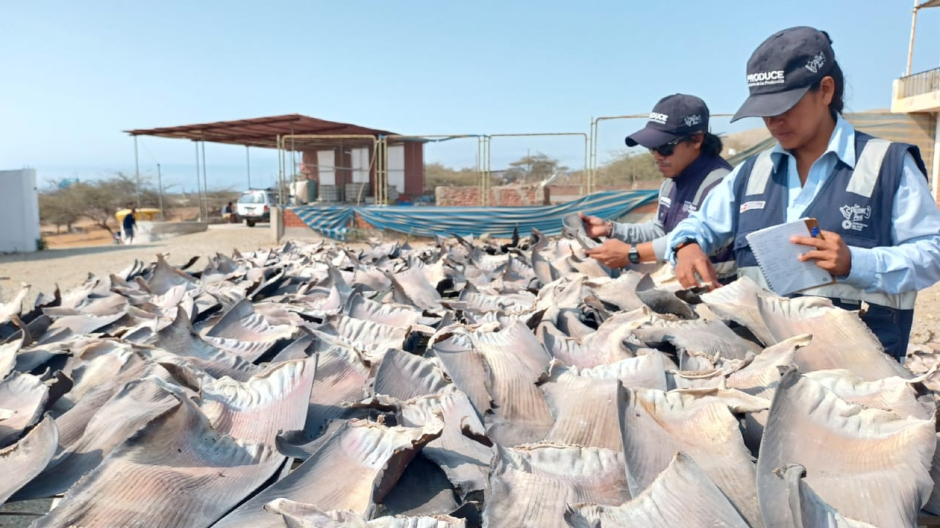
[69, 266]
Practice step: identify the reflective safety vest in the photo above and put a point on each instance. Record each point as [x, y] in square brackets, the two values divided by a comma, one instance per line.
[855, 203]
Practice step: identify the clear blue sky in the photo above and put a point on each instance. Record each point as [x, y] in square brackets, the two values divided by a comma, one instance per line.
[73, 75]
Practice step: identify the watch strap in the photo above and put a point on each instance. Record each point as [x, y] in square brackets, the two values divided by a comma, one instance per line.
[682, 243]
[634, 255]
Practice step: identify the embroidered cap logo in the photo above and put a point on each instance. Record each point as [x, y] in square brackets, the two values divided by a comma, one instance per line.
[693, 120]
[659, 118]
[766, 78]
[817, 63]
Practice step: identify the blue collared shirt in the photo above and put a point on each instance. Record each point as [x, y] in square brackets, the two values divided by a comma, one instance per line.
[911, 264]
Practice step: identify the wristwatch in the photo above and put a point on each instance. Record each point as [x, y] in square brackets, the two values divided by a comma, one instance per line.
[634, 255]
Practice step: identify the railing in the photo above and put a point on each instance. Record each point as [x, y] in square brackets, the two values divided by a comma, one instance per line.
[920, 83]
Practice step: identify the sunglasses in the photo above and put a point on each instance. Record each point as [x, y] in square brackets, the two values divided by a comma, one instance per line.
[669, 148]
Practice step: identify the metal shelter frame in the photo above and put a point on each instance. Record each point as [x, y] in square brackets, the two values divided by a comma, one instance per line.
[595, 132]
[263, 132]
[587, 141]
[312, 140]
[482, 159]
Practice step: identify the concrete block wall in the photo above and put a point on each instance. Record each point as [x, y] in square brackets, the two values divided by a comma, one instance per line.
[508, 196]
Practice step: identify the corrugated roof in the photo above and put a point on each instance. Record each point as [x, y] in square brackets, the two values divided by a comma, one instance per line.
[259, 132]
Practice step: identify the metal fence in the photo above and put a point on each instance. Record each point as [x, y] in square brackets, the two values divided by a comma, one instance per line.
[920, 83]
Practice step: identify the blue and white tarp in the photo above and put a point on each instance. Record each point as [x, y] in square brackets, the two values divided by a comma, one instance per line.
[330, 220]
[334, 220]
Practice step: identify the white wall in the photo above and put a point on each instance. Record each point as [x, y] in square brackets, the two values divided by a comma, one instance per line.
[326, 166]
[19, 211]
[396, 168]
[360, 165]
[935, 170]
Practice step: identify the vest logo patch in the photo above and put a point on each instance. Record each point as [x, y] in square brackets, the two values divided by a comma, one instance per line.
[747, 206]
[665, 201]
[854, 216]
[689, 207]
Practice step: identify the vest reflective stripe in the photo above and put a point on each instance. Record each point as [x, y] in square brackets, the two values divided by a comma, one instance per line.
[709, 180]
[856, 203]
[867, 168]
[727, 268]
[666, 187]
[843, 292]
[760, 174]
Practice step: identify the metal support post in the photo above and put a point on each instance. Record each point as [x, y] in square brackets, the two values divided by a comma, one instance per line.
[293, 159]
[160, 193]
[205, 181]
[487, 144]
[381, 172]
[910, 47]
[280, 170]
[137, 170]
[248, 164]
[202, 217]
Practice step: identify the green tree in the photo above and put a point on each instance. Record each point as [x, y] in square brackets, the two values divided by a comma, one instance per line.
[99, 200]
[532, 168]
[55, 208]
[626, 168]
[438, 175]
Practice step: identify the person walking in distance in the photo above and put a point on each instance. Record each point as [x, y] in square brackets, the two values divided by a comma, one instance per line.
[689, 158]
[880, 226]
[128, 225]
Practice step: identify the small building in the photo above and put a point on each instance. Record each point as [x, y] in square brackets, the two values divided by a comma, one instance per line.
[343, 159]
[19, 211]
[918, 95]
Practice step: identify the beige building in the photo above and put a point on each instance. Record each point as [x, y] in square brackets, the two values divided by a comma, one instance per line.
[918, 95]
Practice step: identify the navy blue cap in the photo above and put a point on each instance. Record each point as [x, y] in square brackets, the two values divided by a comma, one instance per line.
[673, 117]
[783, 68]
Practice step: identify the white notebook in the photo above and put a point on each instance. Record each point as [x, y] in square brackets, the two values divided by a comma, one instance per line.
[778, 258]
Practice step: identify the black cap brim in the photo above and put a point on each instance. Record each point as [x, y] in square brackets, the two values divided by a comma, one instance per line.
[771, 104]
[649, 137]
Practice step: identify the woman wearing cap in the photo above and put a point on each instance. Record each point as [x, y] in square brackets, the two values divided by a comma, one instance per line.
[880, 226]
[689, 157]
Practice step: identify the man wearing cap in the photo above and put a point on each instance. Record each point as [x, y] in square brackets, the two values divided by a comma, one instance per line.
[689, 157]
[880, 235]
